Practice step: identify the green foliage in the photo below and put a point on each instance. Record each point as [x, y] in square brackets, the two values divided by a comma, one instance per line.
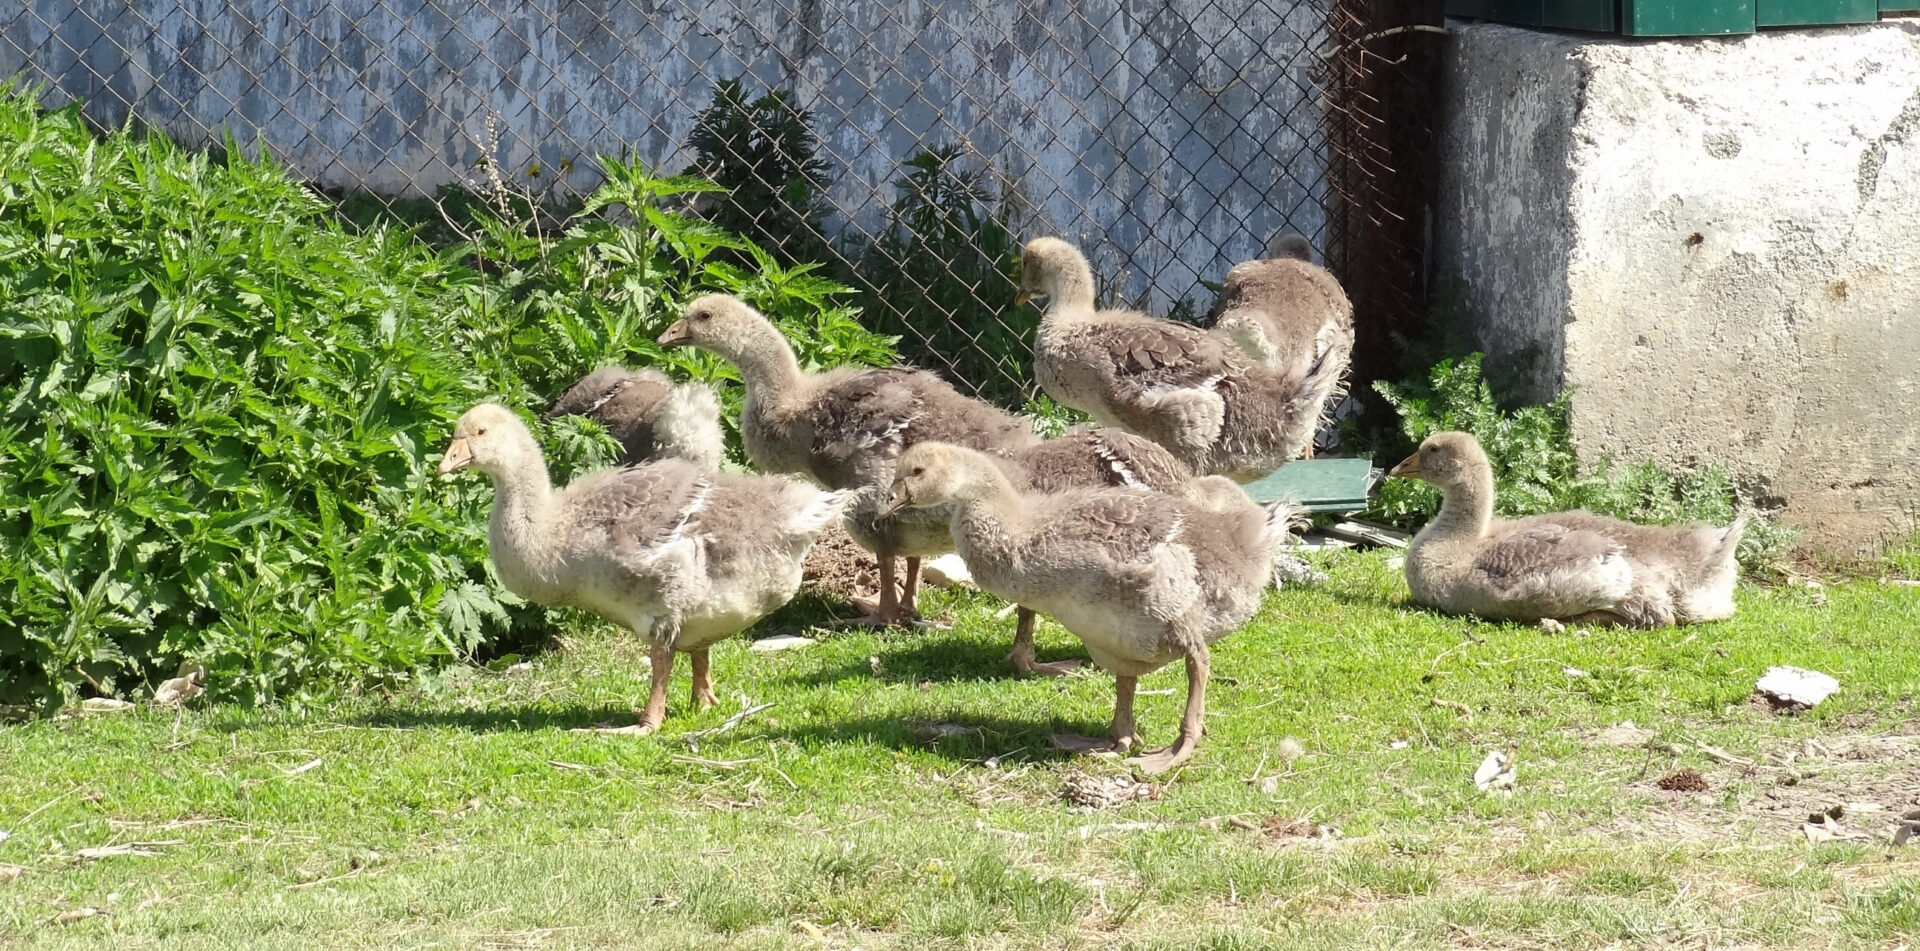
[219, 403]
[1536, 470]
[549, 309]
[218, 407]
[764, 155]
[940, 277]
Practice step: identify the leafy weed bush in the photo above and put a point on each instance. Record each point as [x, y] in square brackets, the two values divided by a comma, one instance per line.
[940, 277]
[1535, 468]
[219, 405]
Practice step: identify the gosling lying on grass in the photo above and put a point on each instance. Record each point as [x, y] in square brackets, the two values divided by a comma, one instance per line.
[1569, 566]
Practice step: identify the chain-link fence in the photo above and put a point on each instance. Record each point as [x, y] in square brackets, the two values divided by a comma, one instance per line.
[908, 146]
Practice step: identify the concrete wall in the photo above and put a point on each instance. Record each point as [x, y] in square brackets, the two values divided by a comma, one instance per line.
[1716, 240]
[1173, 137]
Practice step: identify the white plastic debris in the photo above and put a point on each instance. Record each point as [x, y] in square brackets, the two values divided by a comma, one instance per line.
[947, 571]
[1291, 749]
[104, 705]
[179, 690]
[1291, 569]
[1796, 685]
[1495, 772]
[780, 642]
[1551, 626]
[1625, 734]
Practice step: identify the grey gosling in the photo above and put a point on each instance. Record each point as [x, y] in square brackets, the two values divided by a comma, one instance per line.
[1141, 577]
[1088, 458]
[1289, 314]
[1218, 410]
[1569, 566]
[651, 416]
[680, 555]
[843, 429]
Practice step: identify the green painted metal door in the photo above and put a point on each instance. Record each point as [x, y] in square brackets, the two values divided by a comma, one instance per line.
[1685, 17]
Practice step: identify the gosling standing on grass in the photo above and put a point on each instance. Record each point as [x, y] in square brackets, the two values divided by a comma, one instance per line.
[1142, 578]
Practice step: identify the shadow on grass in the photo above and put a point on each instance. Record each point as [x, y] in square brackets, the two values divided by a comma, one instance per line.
[941, 656]
[960, 737]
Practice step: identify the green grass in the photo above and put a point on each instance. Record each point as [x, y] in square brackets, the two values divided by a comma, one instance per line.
[464, 813]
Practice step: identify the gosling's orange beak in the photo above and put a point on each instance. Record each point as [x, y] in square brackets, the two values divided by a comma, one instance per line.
[1409, 468]
[897, 499]
[457, 457]
[678, 335]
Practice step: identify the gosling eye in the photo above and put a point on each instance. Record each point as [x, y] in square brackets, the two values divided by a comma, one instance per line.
[701, 316]
[482, 431]
[918, 470]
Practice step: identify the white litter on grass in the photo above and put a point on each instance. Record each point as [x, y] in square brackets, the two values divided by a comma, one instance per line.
[1495, 772]
[104, 705]
[780, 642]
[179, 690]
[1796, 685]
[1293, 570]
[1552, 626]
[947, 571]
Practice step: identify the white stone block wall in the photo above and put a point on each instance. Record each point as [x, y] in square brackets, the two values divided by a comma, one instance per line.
[1716, 240]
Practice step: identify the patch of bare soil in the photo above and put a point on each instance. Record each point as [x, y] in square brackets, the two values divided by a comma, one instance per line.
[1683, 780]
[1871, 780]
[838, 567]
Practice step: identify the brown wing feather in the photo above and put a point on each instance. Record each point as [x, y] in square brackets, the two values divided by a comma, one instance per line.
[638, 507]
[1156, 354]
[1541, 549]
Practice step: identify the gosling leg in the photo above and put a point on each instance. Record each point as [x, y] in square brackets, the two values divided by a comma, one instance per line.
[1022, 654]
[702, 681]
[1192, 724]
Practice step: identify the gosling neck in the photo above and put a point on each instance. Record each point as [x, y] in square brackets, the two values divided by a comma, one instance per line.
[769, 369]
[989, 499]
[522, 500]
[1070, 286]
[1466, 507]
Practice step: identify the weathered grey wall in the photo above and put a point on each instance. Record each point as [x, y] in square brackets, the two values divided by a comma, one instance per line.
[1716, 240]
[1173, 137]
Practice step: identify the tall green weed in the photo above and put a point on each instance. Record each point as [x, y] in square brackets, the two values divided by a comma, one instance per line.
[220, 402]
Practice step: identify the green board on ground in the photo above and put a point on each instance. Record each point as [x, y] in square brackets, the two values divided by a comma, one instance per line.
[1676, 17]
[1800, 12]
[1319, 485]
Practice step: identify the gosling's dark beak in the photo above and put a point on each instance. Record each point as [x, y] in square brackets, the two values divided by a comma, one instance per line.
[897, 499]
[457, 457]
[1409, 468]
[1022, 296]
[678, 335]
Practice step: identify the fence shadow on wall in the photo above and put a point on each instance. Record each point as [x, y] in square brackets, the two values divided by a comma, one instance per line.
[906, 149]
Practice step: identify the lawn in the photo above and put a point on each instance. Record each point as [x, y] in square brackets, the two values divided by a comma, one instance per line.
[900, 792]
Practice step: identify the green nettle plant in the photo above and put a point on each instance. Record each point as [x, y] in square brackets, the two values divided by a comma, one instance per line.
[1536, 470]
[764, 155]
[220, 405]
[940, 276]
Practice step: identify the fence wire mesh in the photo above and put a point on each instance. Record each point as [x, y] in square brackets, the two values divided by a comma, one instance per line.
[909, 148]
